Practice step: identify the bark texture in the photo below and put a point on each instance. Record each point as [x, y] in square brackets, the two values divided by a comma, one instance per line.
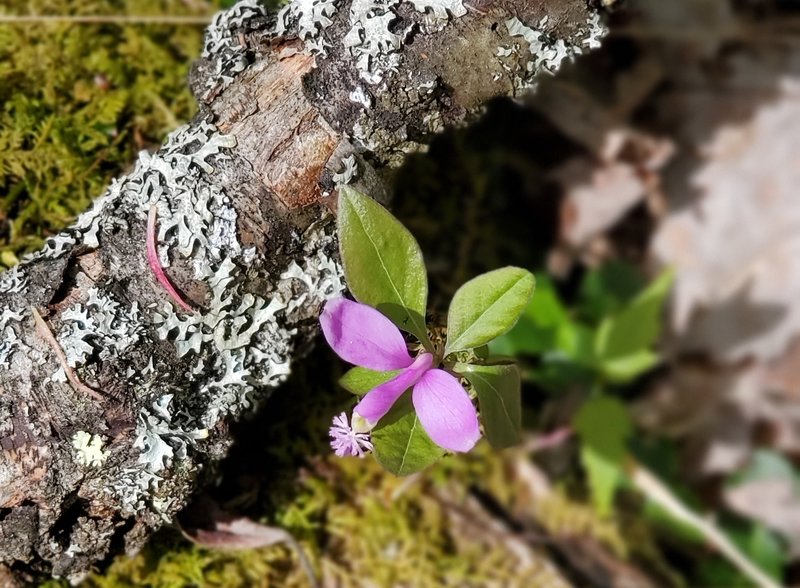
[114, 406]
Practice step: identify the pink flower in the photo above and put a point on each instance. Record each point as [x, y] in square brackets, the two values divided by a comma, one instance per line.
[361, 335]
[345, 440]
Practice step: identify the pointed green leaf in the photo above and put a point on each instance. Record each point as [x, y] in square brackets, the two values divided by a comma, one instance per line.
[486, 307]
[498, 390]
[400, 443]
[359, 380]
[383, 263]
[604, 426]
[536, 330]
[638, 326]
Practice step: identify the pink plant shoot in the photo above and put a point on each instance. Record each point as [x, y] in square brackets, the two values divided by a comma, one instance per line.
[155, 264]
[361, 335]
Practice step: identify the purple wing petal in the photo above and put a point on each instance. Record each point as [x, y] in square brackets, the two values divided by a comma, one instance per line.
[377, 402]
[445, 411]
[361, 335]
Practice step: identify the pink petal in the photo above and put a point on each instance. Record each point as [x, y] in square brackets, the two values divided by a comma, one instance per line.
[377, 402]
[446, 411]
[361, 335]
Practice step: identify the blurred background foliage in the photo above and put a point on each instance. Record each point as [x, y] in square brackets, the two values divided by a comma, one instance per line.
[77, 102]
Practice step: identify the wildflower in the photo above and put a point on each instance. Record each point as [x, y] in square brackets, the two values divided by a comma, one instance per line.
[361, 335]
[345, 440]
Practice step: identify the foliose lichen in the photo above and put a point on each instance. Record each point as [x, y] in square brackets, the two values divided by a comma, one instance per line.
[237, 347]
[311, 18]
[223, 45]
[101, 326]
[375, 46]
[349, 170]
[10, 338]
[162, 436]
[437, 18]
[543, 51]
[194, 215]
[240, 343]
[14, 281]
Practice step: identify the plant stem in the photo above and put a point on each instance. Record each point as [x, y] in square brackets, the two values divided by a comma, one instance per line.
[655, 490]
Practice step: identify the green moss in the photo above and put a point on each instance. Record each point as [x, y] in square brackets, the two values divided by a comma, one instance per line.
[77, 101]
[359, 525]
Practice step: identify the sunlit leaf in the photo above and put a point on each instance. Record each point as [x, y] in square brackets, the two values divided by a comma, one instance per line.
[486, 307]
[383, 263]
[535, 332]
[638, 326]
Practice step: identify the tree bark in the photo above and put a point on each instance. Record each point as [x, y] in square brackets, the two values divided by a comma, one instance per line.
[114, 400]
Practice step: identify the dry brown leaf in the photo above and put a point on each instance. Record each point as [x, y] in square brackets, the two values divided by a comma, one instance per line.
[239, 533]
[207, 525]
[596, 197]
[736, 246]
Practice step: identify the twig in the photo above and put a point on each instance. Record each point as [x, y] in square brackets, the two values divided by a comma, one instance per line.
[155, 264]
[104, 19]
[407, 483]
[651, 487]
[45, 333]
[548, 440]
[305, 563]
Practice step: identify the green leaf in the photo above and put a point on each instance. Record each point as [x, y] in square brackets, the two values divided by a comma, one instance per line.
[535, 332]
[761, 546]
[638, 326]
[604, 474]
[625, 369]
[607, 289]
[486, 307]
[359, 380]
[383, 263]
[498, 389]
[575, 340]
[766, 550]
[604, 425]
[400, 443]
